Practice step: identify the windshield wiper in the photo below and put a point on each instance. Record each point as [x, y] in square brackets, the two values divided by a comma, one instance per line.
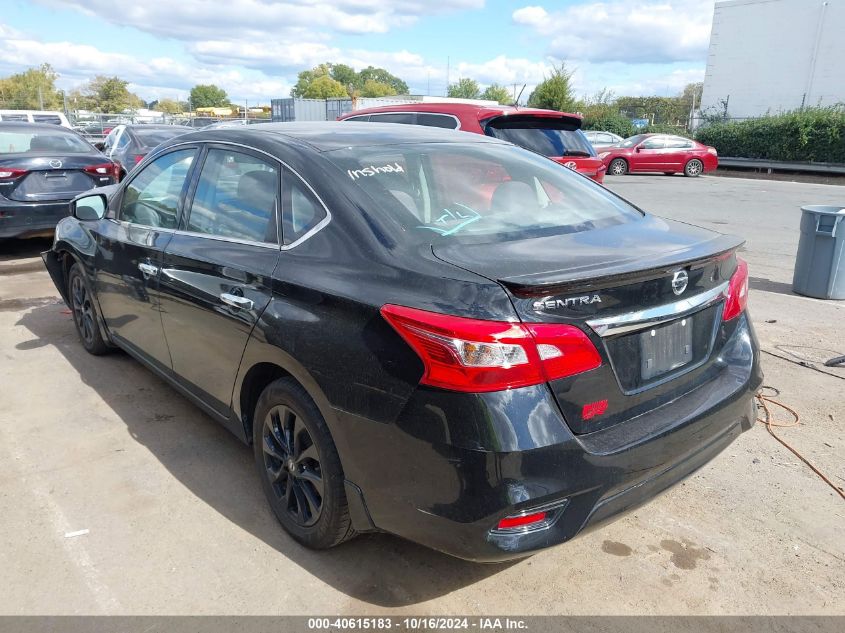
[576, 152]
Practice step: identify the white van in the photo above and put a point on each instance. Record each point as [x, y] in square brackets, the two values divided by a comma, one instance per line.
[35, 116]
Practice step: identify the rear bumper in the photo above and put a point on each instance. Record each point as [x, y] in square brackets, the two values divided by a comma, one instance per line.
[24, 219]
[426, 484]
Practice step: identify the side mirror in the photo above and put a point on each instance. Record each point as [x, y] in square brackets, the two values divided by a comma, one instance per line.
[638, 148]
[88, 208]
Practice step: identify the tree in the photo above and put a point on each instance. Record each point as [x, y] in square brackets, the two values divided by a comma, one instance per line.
[370, 82]
[495, 92]
[324, 87]
[344, 74]
[105, 94]
[208, 96]
[168, 106]
[382, 76]
[372, 88]
[555, 92]
[32, 89]
[465, 88]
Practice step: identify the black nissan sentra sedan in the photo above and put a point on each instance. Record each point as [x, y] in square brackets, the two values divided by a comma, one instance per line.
[438, 335]
[42, 168]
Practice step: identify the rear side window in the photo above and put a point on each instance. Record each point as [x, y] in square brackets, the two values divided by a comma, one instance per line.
[437, 120]
[678, 143]
[395, 117]
[359, 119]
[543, 135]
[152, 197]
[301, 211]
[236, 197]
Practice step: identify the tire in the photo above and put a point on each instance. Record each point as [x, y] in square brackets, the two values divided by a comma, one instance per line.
[618, 167]
[693, 168]
[299, 467]
[84, 311]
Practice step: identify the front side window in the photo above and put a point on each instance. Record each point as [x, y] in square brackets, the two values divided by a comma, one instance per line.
[236, 197]
[396, 117]
[152, 196]
[654, 142]
[478, 192]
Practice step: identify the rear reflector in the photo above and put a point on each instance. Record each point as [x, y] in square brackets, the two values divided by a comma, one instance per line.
[737, 295]
[473, 355]
[521, 521]
[593, 409]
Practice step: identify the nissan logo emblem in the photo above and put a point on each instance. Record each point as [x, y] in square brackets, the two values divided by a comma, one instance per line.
[679, 282]
[55, 163]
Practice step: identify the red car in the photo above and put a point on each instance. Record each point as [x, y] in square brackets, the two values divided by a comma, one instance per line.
[661, 153]
[554, 134]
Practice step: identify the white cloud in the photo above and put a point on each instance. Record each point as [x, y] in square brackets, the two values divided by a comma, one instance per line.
[150, 78]
[644, 31]
[197, 19]
[531, 16]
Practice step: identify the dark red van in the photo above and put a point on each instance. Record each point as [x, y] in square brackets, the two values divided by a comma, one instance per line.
[554, 134]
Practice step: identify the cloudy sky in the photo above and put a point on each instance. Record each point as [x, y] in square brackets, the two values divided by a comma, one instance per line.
[255, 48]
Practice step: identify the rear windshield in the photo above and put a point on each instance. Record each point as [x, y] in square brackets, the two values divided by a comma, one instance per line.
[39, 140]
[153, 137]
[478, 192]
[546, 136]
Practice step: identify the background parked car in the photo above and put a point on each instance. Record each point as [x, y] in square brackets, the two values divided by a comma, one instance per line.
[556, 135]
[42, 167]
[660, 153]
[602, 139]
[35, 116]
[127, 145]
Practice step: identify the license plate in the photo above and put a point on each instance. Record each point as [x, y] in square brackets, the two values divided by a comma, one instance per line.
[665, 348]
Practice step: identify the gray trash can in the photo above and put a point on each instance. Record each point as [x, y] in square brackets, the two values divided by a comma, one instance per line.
[820, 264]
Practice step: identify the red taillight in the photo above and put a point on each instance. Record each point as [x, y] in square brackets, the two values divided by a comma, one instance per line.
[509, 523]
[11, 173]
[473, 355]
[737, 295]
[139, 158]
[104, 169]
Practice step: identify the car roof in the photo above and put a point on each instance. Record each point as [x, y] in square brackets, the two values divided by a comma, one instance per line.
[480, 111]
[330, 135]
[9, 125]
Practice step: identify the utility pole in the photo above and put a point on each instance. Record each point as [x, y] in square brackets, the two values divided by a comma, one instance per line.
[447, 75]
[40, 99]
[246, 108]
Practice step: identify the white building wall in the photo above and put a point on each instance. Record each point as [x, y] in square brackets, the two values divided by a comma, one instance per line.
[770, 56]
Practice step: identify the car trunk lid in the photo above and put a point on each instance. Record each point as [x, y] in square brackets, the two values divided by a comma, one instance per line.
[649, 294]
[50, 178]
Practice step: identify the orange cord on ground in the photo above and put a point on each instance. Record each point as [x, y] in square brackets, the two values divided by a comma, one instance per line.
[770, 423]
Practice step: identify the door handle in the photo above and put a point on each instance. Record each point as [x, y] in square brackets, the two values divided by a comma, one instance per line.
[235, 301]
[148, 270]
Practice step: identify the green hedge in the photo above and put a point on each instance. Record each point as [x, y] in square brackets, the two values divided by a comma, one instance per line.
[816, 134]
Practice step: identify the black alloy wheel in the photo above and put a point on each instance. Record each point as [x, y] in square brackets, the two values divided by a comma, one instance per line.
[299, 467]
[293, 465]
[85, 313]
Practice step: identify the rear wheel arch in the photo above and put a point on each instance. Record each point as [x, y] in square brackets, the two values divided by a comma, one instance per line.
[262, 364]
